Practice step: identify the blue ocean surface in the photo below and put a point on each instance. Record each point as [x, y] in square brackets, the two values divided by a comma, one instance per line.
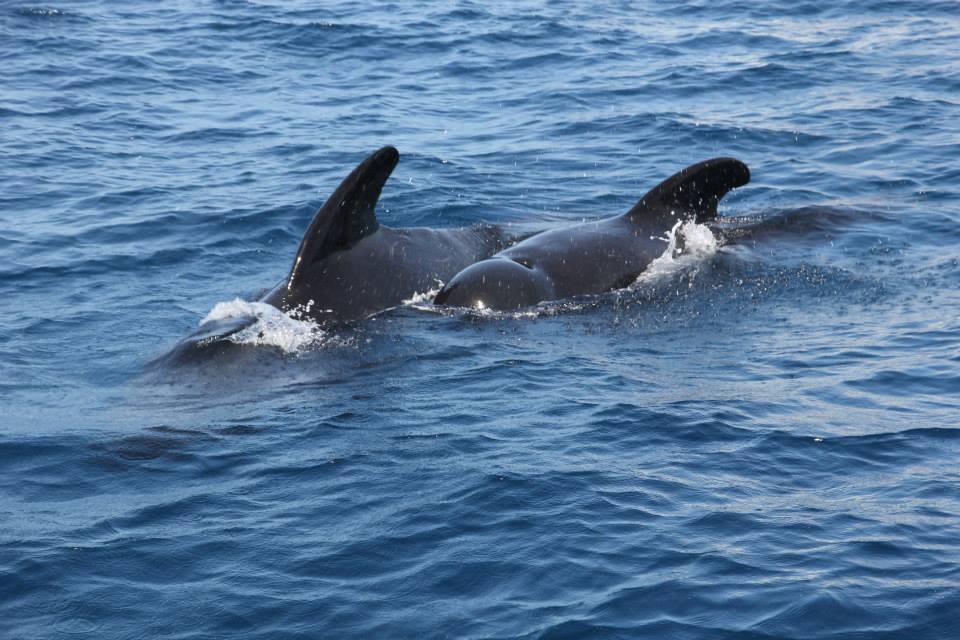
[760, 441]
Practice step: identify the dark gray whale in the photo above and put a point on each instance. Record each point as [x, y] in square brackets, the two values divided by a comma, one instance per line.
[595, 257]
[349, 266]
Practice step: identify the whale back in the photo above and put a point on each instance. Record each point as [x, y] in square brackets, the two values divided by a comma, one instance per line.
[348, 215]
[692, 193]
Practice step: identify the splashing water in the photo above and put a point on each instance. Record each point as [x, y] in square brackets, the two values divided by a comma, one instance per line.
[291, 332]
[423, 298]
[688, 244]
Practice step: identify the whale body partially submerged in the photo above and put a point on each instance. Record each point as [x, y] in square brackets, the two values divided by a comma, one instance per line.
[349, 267]
[594, 257]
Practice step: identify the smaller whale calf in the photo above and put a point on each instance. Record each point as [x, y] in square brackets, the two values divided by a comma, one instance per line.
[594, 257]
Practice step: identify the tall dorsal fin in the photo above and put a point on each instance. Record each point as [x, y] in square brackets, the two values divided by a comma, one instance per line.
[694, 191]
[348, 214]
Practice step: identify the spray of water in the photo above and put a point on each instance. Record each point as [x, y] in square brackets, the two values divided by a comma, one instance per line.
[422, 299]
[291, 332]
[688, 244]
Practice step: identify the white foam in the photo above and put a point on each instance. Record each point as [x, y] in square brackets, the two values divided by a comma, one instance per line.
[688, 244]
[425, 297]
[535, 312]
[272, 327]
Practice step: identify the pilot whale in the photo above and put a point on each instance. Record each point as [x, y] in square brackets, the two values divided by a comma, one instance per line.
[594, 257]
[349, 267]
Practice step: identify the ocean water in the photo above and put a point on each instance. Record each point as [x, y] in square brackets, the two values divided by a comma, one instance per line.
[758, 439]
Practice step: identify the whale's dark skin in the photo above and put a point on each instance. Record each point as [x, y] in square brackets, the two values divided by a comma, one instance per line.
[349, 267]
[594, 257]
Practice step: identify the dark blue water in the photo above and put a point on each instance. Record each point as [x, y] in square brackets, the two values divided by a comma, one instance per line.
[760, 444]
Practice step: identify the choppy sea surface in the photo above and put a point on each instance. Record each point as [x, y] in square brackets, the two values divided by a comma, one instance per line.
[759, 440]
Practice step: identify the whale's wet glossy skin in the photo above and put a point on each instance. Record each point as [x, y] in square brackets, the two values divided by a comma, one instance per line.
[349, 267]
[597, 256]
[381, 271]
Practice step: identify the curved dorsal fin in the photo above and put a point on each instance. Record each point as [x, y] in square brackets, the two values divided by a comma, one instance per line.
[348, 214]
[694, 191]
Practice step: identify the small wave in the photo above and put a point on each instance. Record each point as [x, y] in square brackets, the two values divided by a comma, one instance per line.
[291, 332]
[40, 12]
